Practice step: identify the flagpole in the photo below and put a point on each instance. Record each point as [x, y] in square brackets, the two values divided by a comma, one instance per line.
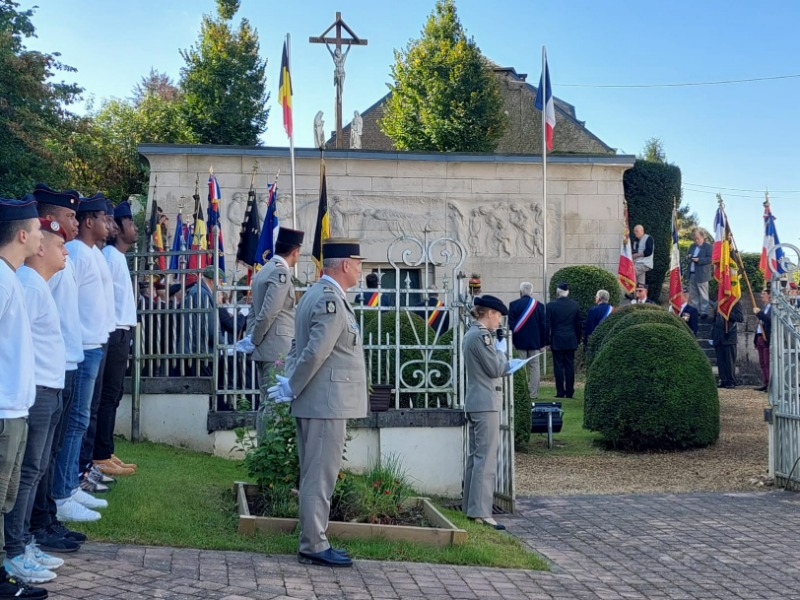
[738, 255]
[544, 189]
[291, 142]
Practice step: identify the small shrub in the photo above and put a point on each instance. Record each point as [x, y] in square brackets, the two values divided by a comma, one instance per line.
[274, 462]
[584, 281]
[522, 410]
[651, 387]
[599, 335]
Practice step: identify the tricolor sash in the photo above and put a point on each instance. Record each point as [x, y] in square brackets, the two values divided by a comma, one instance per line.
[375, 299]
[526, 315]
[435, 313]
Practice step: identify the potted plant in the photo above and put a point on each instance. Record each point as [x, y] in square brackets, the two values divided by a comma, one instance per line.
[380, 397]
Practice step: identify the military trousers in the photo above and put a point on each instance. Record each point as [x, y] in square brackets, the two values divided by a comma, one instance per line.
[480, 474]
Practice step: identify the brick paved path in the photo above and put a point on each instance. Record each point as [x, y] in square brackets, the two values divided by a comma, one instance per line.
[690, 546]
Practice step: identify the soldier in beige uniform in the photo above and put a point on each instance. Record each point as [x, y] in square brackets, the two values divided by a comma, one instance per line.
[327, 384]
[271, 326]
[485, 363]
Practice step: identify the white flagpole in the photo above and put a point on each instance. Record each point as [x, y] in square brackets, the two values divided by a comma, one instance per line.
[291, 137]
[544, 188]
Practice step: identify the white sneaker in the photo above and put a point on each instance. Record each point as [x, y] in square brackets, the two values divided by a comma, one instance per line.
[72, 511]
[27, 570]
[34, 553]
[88, 500]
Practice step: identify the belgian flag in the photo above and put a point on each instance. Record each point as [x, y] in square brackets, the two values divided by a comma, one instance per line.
[323, 229]
[285, 91]
[158, 239]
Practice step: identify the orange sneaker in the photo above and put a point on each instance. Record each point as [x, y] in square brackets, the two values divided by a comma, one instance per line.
[119, 463]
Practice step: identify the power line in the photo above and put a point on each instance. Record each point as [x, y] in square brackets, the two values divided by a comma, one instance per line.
[727, 195]
[717, 187]
[669, 85]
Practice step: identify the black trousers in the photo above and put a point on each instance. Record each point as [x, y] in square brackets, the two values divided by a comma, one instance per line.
[44, 505]
[564, 371]
[87, 447]
[726, 364]
[119, 348]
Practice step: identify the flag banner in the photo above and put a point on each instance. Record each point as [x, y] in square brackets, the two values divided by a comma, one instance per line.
[285, 91]
[544, 102]
[769, 267]
[269, 231]
[626, 274]
[199, 237]
[729, 289]
[719, 234]
[249, 233]
[214, 196]
[322, 231]
[158, 239]
[179, 243]
[675, 273]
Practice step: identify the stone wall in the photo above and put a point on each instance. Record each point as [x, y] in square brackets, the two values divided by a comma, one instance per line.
[491, 203]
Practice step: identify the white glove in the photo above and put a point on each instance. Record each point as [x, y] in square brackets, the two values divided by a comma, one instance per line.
[501, 346]
[280, 392]
[245, 345]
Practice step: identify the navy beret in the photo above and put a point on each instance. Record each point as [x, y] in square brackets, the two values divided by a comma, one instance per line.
[123, 210]
[290, 237]
[45, 195]
[341, 248]
[12, 209]
[491, 302]
[96, 203]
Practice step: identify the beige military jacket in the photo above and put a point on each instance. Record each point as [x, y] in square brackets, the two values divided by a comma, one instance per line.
[326, 367]
[485, 367]
[271, 325]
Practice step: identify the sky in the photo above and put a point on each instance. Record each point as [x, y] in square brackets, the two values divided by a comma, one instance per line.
[736, 139]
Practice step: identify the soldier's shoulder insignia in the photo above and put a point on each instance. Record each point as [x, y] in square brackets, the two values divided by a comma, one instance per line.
[487, 339]
[330, 306]
[282, 277]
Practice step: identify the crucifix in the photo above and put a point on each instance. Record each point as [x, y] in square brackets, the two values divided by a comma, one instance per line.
[339, 59]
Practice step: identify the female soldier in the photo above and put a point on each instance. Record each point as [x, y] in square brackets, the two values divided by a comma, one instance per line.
[485, 363]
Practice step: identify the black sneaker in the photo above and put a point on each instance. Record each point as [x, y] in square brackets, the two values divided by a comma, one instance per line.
[50, 541]
[11, 588]
[58, 528]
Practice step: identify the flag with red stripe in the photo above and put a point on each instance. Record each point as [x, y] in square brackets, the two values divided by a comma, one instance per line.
[767, 266]
[675, 274]
[544, 102]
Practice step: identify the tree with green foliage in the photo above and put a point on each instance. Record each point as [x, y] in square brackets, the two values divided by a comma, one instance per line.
[444, 97]
[224, 81]
[654, 151]
[34, 123]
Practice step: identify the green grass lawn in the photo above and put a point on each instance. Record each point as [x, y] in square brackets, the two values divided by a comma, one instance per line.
[185, 499]
[573, 440]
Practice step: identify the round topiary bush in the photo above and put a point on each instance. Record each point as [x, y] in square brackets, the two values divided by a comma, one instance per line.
[637, 317]
[584, 281]
[599, 335]
[651, 387]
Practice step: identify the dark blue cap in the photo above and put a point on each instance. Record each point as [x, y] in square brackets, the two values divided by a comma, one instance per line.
[109, 207]
[96, 203]
[123, 210]
[12, 209]
[341, 248]
[45, 195]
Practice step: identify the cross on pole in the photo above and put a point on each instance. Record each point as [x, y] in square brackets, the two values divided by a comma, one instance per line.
[339, 59]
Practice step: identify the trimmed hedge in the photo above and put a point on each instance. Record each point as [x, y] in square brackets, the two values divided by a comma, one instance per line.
[522, 410]
[655, 395]
[600, 334]
[584, 281]
[637, 317]
[650, 189]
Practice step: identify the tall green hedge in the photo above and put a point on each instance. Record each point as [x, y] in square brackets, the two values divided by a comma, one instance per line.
[650, 189]
[600, 334]
[522, 410]
[584, 281]
[651, 387]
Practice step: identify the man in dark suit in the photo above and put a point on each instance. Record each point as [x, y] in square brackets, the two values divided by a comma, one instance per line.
[373, 297]
[597, 314]
[699, 271]
[528, 324]
[724, 335]
[436, 316]
[564, 332]
[689, 313]
[763, 334]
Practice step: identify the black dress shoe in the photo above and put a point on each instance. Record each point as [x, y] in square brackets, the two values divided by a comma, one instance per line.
[340, 551]
[326, 558]
[763, 388]
[559, 395]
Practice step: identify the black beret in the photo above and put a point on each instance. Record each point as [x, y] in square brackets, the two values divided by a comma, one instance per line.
[563, 285]
[12, 209]
[123, 210]
[67, 198]
[491, 302]
[341, 248]
[290, 237]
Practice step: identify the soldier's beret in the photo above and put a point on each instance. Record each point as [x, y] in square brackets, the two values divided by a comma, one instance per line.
[53, 227]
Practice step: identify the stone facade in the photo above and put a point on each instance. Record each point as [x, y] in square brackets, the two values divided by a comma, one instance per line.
[491, 203]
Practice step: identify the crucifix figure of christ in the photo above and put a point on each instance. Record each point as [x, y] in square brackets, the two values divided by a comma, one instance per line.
[339, 58]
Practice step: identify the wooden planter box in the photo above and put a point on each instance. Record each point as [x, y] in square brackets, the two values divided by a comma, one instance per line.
[443, 534]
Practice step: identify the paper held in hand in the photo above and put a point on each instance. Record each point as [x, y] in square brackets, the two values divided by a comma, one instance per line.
[515, 364]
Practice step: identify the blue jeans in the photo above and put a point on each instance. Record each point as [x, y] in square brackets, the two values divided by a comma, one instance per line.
[42, 419]
[67, 473]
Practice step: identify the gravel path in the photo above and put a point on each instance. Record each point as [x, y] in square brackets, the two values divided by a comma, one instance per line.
[737, 462]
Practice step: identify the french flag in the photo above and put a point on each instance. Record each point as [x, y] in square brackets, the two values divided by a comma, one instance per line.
[675, 274]
[544, 102]
[719, 236]
[768, 267]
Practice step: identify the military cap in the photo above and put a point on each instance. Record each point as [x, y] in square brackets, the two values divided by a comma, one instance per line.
[563, 285]
[45, 195]
[96, 203]
[109, 207]
[123, 210]
[12, 209]
[53, 227]
[491, 302]
[208, 273]
[641, 286]
[290, 237]
[341, 248]
[174, 289]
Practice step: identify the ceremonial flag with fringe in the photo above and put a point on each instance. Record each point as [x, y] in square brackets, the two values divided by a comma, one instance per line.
[626, 273]
[675, 273]
[269, 231]
[322, 231]
[179, 243]
[729, 289]
[249, 234]
[199, 237]
[767, 266]
[214, 196]
[158, 239]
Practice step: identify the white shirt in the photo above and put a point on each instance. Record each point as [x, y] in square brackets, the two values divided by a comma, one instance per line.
[108, 288]
[64, 288]
[49, 351]
[124, 303]
[17, 384]
[91, 297]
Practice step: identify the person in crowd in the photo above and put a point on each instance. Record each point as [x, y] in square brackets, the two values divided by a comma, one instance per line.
[436, 315]
[643, 247]
[198, 324]
[597, 314]
[564, 334]
[20, 238]
[375, 297]
[327, 384]
[24, 558]
[724, 336]
[528, 324]
[763, 334]
[688, 313]
[485, 363]
[641, 294]
[699, 271]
